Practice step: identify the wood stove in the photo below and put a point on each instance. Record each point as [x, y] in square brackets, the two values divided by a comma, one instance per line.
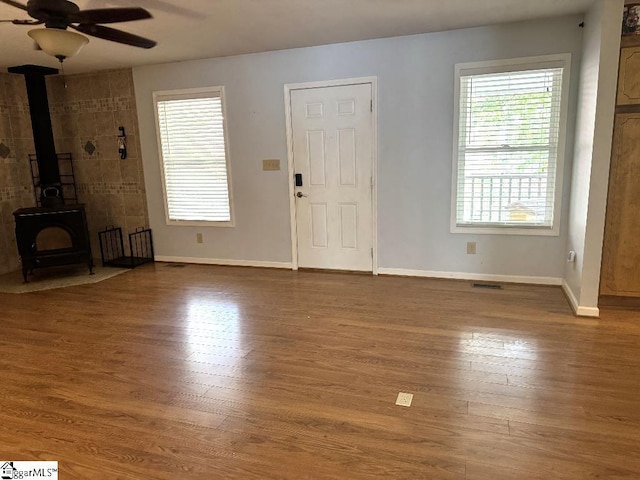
[52, 236]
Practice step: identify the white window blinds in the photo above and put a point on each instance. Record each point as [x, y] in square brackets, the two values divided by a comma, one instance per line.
[508, 140]
[191, 131]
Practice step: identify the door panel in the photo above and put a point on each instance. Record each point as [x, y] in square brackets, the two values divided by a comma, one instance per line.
[332, 135]
[629, 77]
[347, 156]
[316, 157]
[349, 225]
[319, 227]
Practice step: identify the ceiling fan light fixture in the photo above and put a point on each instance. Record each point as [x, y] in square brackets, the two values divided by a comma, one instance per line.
[57, 42]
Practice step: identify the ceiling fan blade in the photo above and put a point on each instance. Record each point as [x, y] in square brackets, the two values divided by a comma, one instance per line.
[110, 15]
[155, 5]
[15, 4]
[114, 35]
[24, 22]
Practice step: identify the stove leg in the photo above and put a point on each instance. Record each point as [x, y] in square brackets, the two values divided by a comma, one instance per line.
[25, 273]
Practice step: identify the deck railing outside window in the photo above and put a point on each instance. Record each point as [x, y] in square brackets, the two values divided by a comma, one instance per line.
[505, 199]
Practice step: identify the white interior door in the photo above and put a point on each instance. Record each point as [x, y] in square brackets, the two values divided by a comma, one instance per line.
[332, 132]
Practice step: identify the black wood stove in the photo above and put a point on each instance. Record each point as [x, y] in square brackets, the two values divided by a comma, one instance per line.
[54, 234]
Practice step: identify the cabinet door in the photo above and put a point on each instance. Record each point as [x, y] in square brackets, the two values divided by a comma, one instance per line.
[629, 77]
[621, 249]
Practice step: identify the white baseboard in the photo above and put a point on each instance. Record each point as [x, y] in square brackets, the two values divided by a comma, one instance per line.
[471, 276]
[224, 261]
[573, 301]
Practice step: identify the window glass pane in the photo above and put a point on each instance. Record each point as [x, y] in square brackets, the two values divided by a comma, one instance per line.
[507, 148]
[193, 152]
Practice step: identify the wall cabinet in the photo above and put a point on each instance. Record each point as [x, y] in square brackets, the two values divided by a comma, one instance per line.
[621, 252]
[620, 275]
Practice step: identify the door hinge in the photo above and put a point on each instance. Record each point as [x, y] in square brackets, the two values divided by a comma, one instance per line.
[371, 253]
[371, 106]
[371, 181]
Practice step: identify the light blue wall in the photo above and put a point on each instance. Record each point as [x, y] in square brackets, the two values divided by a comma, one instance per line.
[590, 175]
[415, 128]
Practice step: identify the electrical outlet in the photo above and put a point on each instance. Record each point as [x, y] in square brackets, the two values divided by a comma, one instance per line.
[471, 248]
[571, 257]
[270, 165]
[404, 399]
[199, 238]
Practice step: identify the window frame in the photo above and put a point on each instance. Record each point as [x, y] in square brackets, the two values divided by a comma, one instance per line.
[201, 92]
[502, 66]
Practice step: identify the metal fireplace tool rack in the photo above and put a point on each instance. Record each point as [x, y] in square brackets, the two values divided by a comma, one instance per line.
[112, 248]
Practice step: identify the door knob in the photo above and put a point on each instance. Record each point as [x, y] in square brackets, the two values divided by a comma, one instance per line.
[300, 195]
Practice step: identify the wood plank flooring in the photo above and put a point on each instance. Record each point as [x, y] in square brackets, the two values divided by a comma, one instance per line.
[209, 372]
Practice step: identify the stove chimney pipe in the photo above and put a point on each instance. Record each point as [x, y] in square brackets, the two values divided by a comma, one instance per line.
[34, 76]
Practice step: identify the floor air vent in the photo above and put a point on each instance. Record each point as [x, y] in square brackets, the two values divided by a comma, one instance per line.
[176, 265]
[490, 286]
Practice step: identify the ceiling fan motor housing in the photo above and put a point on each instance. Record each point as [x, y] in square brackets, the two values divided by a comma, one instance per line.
[54, 13]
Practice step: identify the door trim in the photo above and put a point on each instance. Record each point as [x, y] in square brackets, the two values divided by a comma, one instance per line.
[288, 88]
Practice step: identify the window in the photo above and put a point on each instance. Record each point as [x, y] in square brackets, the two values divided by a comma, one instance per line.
[509, 145]
[193, 153]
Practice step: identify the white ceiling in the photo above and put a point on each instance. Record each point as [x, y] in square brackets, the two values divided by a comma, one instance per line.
[215, 28]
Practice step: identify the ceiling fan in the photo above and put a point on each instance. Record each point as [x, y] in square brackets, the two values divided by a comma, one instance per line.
[62, 14]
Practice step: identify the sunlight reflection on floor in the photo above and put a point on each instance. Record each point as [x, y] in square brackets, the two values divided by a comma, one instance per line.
[213, 333]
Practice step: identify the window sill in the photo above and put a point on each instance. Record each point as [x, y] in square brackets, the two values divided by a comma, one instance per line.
[198, 223]
[507, 230]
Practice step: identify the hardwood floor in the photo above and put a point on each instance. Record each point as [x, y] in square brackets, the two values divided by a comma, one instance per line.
[235, 373]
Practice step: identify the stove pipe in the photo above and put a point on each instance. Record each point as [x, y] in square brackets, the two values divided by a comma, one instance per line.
[48, 169]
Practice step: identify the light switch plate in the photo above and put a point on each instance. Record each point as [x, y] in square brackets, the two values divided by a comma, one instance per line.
[471, 248]
[270, 165]
[404, 399]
